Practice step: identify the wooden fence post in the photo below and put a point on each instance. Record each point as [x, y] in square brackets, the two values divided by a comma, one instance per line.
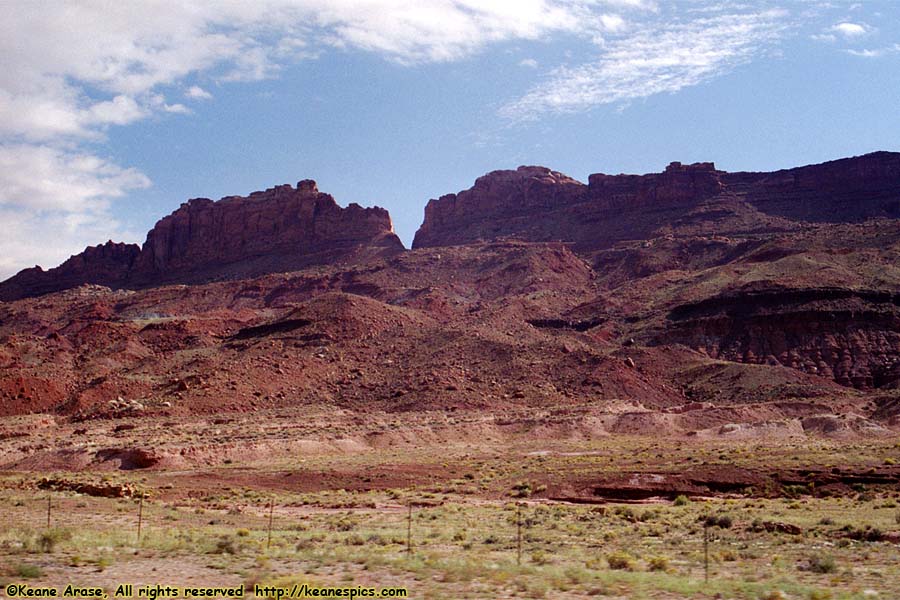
[409, 530]
[518, 533]
[271, 510]
[706, 548]
[140, 515]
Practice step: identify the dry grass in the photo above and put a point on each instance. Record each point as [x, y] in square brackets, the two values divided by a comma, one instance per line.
[465, 539]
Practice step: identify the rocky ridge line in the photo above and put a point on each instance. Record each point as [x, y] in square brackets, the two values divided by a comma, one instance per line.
[537, 204]
[280, 229]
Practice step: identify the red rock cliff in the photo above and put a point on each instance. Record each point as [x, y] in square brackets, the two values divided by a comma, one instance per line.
[280, 229]
[844, 190]
[536, 204]
[495, 205]
[108, 264]
[677, 184]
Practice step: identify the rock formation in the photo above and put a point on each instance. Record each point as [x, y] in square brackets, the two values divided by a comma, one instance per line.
[844, 190]
[536, 204]
[280, 229]
[108, 264]
[850, 336]
[484, 211]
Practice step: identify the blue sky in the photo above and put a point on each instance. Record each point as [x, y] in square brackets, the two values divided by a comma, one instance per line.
[112, 114]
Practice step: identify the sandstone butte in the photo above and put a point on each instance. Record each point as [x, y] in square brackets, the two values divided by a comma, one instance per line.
[281, 229]
[538, 204]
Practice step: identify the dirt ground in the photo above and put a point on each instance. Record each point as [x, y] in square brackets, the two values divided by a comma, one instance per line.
[441, 506]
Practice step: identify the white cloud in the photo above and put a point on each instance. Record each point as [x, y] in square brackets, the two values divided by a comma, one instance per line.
[851, 30]
[612, 22]
[60, 80]
[845, 30]
[158, 102]
[195, 92]
[45, 114]
[41, 177]
[54, 202]
[528, 62]
[47, 239]
[121, 110]
[653, 60]
[177, 108]
[824, 37]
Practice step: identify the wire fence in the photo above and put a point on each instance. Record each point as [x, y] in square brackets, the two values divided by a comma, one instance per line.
[520, 533]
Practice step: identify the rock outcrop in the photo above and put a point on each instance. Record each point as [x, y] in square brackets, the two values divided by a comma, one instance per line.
[500, 203]
[536, 204]
[108, 264]
[677, 184]
[837, 191]
[280, 229]
[849, 336]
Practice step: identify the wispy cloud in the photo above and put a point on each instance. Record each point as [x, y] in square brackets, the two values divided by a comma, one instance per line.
[60, 80]
[855, 34]
[44, 178]
[653, 60]
[876, 52]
